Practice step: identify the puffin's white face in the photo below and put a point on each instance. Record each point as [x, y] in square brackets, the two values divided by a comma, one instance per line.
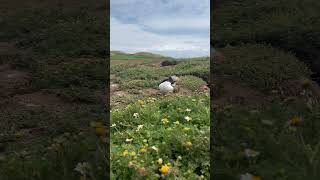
[175, 78]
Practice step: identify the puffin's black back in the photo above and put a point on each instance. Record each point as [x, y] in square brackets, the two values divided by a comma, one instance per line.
[168, 79]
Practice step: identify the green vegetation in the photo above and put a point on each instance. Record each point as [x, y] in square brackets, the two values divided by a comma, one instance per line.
[260, 66]
[63, 48]
[287, 24]
[117, 55]
[45, 128]
[191, 82]
[141, 76]
[269, 46]
[147, 135]
[56, 32]
[154, 135]
[277, 141]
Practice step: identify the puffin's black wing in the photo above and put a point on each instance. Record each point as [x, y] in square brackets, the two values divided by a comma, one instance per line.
[164, 80]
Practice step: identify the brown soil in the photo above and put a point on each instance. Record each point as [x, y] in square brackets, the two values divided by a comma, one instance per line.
[49, 102]
[12, 81]
[121, 93]
[114, 86]
[236, 93]
[149, 91]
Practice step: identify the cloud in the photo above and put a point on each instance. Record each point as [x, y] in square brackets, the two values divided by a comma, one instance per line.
[177, 25]
[164, 15]
[131, 38]
[169, 27]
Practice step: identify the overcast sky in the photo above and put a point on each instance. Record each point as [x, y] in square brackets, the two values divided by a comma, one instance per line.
[178, 28]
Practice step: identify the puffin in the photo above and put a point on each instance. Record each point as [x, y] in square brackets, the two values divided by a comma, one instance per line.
[168, 85]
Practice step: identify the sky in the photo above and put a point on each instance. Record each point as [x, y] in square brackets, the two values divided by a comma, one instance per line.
[176, 28]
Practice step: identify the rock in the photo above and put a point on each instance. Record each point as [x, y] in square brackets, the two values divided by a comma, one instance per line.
[168, 63]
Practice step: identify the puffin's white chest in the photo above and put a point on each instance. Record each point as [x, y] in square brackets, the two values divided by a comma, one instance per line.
[166, 87]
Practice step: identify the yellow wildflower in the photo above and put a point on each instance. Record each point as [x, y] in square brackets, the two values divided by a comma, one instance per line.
[18, 135]
[125, 152]
[133, 153]
[164, 169]
[188, 144]
[296, 121]
[186, 129]
[143, 150]
[100, 131]
[256, 178]
[98, 124]
[141, 102]
[177, 122]
[56, 147]
[165, 120]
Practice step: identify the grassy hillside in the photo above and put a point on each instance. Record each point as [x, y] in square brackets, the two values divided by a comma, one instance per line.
[289, 25]
[53, 76]
[136, 79]
[266, 106]
[155, 135]
[117, 55]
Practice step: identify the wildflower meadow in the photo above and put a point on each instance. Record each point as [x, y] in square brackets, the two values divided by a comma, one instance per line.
[163, 137]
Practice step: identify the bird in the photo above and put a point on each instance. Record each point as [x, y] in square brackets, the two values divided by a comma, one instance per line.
[168, 85]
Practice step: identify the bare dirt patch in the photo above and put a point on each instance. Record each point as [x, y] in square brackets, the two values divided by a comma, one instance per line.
[49, 102]
[12, 81]
[114, 86]
[121, 93]
[236, 93]
[149, 91]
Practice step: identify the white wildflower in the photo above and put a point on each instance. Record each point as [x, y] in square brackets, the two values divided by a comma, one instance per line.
[135, 115]
[139, 127]
[188, 118]
[155, 148]
[251, 153]
[82, 168]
